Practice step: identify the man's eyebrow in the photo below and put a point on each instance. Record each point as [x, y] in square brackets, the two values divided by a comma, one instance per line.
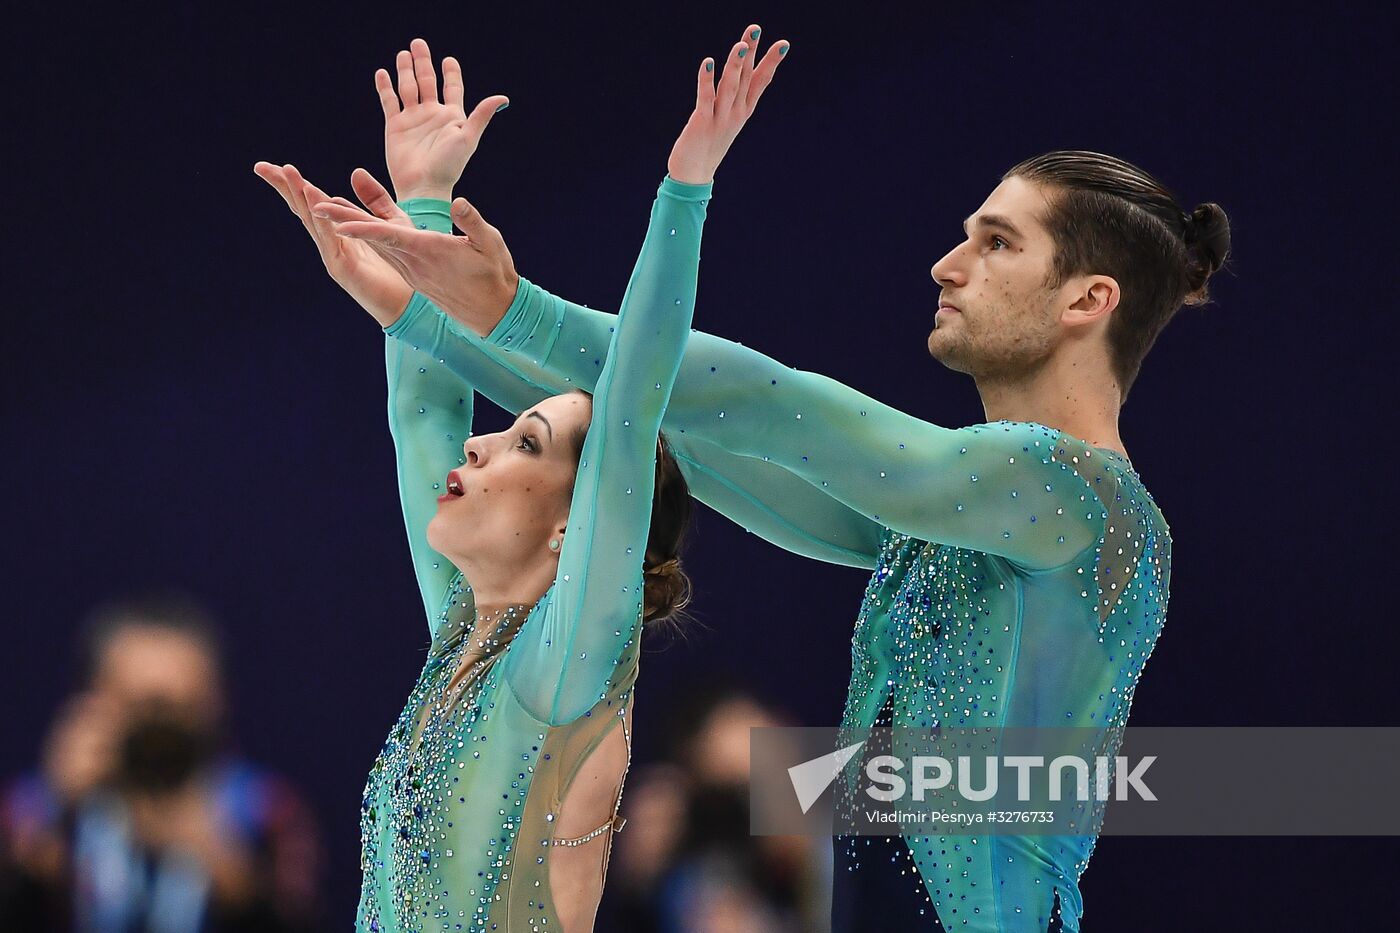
[992, 220]
[535, 414]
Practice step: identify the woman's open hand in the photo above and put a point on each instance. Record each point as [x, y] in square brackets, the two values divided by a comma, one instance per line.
[721, 112]
[428, 143]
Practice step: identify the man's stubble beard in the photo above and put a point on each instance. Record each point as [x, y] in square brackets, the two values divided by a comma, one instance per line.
[1012, 354]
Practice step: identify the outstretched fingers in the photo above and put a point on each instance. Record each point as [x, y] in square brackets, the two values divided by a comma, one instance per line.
[338, 210]
[316, 200]
[292, 194]
[482, 113]
[347, 220]
[298, 189]
[408, 81]
[763, 73]
[749, 57]
[423, 70]
[705, 87]
[379, 233]
[477, 232]
[453, 92]
[274, 176]
[374, 196]
[344, 202]
[733, 76]
[388, 100]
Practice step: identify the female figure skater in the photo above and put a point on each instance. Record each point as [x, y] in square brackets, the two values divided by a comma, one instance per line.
[539, 551]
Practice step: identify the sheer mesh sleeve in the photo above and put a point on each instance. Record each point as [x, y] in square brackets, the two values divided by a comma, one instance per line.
[430, 417]
[1008, 488]
[762, 497]
[1011, 489]
[542, 332]
[562, 659]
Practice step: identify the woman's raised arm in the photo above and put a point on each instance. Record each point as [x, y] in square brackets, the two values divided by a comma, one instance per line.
[560, 667]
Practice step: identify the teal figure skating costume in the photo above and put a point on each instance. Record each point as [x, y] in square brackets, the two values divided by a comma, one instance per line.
[1020, 574]
[459, 811]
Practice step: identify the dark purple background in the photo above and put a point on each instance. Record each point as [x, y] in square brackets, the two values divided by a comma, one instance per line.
[188, 399]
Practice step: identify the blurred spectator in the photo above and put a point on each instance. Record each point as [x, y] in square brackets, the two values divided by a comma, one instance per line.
[139, 820]
[686, 862]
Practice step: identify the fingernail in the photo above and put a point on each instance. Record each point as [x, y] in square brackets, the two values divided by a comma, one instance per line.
[503, 106]
[709, 66]
[743, 52]
[782, 49]
[754, 34]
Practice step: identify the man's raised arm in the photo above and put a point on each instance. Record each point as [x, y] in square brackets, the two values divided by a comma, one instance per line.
[887, 467]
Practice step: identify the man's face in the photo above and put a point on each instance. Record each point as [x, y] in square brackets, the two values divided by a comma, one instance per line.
[998, 318]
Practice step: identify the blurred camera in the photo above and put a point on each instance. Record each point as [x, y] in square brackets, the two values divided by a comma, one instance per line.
[160, 752]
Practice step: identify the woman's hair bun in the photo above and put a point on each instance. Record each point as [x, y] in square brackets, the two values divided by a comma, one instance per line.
[1207, 235]
[666, 590]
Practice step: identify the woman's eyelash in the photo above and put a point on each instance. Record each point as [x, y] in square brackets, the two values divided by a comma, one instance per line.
[528, 442]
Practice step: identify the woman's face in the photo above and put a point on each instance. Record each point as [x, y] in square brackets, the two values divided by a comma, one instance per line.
[512, 495]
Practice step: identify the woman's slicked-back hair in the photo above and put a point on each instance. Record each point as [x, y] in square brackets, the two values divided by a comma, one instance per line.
[1109, 217]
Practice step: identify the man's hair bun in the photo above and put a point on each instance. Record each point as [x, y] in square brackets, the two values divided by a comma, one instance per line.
[1207, 235]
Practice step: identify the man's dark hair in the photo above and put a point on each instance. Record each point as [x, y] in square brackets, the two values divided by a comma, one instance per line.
[167, 610]
[1109, 217]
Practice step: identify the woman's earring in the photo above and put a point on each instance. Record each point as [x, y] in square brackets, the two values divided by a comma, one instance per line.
[554, 544]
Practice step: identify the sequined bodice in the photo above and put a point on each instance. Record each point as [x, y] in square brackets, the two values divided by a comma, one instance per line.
[407, 795]
[928, 608]
[943, 630]
[958, 638]
[461, 802]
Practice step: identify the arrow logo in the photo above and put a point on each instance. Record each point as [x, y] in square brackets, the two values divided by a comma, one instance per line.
[811, 778]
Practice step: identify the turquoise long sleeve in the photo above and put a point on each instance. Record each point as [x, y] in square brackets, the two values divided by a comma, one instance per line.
[561, 662]
[879, 467]
[430, 418]
[794, 515]
[760, 496]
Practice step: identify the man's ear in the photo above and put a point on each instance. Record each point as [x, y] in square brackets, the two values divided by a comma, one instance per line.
[1094, 297]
